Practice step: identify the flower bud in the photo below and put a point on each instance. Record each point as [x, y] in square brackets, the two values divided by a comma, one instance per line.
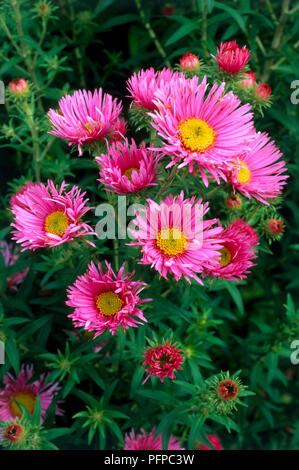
[18, 86]
[262, 92]
[274, 228]
[233, 202]
[13, 432]
[168, 10]
[249, 79]
[189, 62]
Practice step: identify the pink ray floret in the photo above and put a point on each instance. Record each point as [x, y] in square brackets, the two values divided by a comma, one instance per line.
[86, 117]
[230, 126]
[85, 293]
[161, 361]
[34, 204]
[127, 169]
[239, 240]
[198, 247]
[148, 441]
[214, 440]
[144, 84]
[266, 177]
[231, 58]
[23, 390]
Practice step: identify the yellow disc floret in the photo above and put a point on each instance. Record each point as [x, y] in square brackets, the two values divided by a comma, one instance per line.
[244, 173]
[129, 172]
[57, 223]
[196, 135]
[226, 256]
[26, 399]
[109, 303]
[172, 242]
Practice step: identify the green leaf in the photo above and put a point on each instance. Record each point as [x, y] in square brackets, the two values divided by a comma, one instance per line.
[185, 29]
[233, 13]
[37, 411]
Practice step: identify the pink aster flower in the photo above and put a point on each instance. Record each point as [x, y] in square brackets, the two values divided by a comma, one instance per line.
[143, 85]
[24, 391]
[86, 117]
[231, 58]
[127, 169]
[214, 440]
[119, 131]
[208, 131]
[237, 252]
[46, 216]
[106, 300]
[174, 237]
[162, 361]
[257, 172]
[148, 441]
[11, 256]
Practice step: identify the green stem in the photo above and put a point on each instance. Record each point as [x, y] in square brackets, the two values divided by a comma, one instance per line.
[277, 38]
[34, 135]
[24, 52]
[167, 182]
[152, 34]
[212, 193]
[115, 240]
[204, 28]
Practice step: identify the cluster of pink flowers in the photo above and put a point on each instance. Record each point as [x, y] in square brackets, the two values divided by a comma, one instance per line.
[199, 126]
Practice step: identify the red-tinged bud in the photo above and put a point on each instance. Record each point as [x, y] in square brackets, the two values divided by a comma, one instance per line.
[168, 10]
[249, 79]
[274, 226]
[189, 62]
[18, 86]
[231, 58]
[13, 432]
[262, 92]
[233, 202]
[227, 390]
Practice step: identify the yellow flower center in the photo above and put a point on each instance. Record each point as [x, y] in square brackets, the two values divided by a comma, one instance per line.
[109, 303]
[91, 126]
[196, 135]
[129, 171]
[171, 242]
[26, 399]
[226, 256]
[57, 223]
[243, 172]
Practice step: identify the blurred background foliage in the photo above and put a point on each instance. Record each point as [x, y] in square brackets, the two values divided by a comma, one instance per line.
[65, 45]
